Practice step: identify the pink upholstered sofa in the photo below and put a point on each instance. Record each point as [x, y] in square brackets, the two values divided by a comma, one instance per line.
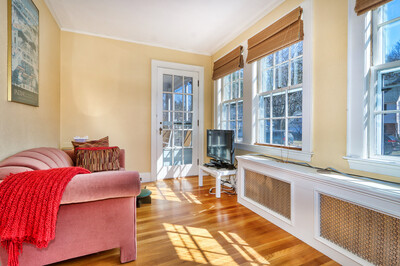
[97, 212]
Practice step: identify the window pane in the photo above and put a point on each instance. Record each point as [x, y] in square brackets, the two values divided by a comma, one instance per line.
[390, 11]
[241, 73]
[167, 120]
[388, 95]
[240, 130]
[167, 101]
[227, 92]
[265, 103]
[188, 85]
[167, 83]
[235, 76]
[235, 90]
[225, 111]
[387, 126]
[297, 71]
[278, 131]
[232, 111]
[232, 126]
[267, 80]
[278, 105]
[295, 132]
[281, 76]
[240, 110]
[241, 88]
[178, 99]
[267, 61]
[296, 50]
[178, 84]
[391, 40]
[281, 56]
[264, 128]
[224, 125]
[294, 103]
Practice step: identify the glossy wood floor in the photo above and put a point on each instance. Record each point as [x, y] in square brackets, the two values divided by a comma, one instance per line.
[186, 225]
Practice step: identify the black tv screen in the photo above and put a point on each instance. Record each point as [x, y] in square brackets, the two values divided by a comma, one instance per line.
[220, 145]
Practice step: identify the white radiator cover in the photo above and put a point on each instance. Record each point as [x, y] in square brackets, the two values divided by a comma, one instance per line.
[307, 188]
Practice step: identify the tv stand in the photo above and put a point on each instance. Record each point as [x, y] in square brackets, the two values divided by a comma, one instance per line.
[218, 173]
[219, 165]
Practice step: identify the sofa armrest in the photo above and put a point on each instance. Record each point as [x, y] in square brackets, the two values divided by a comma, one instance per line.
[102, 185]
[71, 154]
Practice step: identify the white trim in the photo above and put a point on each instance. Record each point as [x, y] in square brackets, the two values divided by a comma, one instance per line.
[276, 151]
[146, 177]
[383, 167]
[155, 64]
[137, 42]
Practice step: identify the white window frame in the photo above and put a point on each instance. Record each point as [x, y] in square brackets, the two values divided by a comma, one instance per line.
[250, 99]
[285, 90]
[361, 85]
[229, 102]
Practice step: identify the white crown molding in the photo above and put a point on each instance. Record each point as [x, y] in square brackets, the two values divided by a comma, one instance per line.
[130, 41]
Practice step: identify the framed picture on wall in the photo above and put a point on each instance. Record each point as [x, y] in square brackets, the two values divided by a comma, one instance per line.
[23, 52]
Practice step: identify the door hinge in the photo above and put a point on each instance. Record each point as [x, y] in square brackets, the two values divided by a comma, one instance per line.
[198, 123]
[198, 161]
[198, 83]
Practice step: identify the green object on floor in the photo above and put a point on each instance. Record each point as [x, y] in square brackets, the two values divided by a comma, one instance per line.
[143, 197]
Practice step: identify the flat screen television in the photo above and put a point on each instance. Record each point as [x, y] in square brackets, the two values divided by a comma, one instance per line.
[220, 145]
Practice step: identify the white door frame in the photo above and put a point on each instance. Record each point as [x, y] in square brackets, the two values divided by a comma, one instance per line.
[155, 64]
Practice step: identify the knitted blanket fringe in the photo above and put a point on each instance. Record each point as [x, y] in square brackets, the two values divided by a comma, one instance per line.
[29, 204]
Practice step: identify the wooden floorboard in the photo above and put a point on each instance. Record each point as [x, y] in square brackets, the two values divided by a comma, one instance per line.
[185, 225]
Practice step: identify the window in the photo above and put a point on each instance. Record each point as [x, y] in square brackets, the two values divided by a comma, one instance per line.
[280, 97]
[232, 104]
[384, 126]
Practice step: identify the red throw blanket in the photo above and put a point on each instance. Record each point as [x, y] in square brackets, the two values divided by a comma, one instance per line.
[29, 203]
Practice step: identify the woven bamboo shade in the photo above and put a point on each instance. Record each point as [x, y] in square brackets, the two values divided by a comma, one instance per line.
[229, 63]
[285, 32]
[363, 6]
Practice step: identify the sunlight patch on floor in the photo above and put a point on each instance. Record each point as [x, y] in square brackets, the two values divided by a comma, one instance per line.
[198, 245]
[166, 193]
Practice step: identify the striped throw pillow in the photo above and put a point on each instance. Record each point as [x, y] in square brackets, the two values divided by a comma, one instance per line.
[97, 159]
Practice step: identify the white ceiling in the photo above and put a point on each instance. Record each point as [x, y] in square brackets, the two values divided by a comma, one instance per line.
[199, 26]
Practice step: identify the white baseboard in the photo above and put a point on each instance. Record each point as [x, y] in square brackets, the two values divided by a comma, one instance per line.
[146, 177]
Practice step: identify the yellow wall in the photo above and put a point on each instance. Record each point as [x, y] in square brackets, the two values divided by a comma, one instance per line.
[329, 79]
[23, 126]
[106, 90]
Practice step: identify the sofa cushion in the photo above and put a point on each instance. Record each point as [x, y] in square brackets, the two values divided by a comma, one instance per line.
[97, 159]
[101, 185]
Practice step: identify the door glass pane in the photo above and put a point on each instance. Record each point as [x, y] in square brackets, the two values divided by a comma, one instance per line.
[177, 156]
[187, 154]
[187, 142]
[167, 138]
[188, 123]
[294, 102]
[167, 157]
[178, 99]
[167, 120]
[178, 120]
[278, 105]
[295, 132]
[167, 83]
[167, 101]
[177, 138]
[278, 131]
[189, 103]
[188, 85]
[178, 84]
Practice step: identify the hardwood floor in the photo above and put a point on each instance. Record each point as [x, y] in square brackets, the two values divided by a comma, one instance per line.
[186, 225]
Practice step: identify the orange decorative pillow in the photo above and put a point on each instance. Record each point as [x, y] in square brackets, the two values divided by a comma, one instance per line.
[103, 142]
[97, 159]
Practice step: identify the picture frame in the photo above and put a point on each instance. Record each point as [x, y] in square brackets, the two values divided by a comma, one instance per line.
[23, 52]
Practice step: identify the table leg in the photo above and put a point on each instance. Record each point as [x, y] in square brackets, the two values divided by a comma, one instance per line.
[218, 186]
[200, 177]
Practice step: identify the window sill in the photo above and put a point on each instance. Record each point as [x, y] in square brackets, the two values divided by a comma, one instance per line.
[374, 166]
[275, 151]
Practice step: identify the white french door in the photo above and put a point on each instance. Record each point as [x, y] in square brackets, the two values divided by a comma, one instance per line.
[177, 109]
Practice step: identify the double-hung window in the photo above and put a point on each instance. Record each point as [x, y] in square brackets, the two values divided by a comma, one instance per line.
[280, 97]
[232, 104]
[384, 102]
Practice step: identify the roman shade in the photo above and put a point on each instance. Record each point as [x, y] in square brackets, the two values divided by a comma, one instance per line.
[229, 63]
[363, 6]
[285, 32]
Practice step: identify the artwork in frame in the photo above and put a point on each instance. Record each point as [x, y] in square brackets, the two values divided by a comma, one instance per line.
[23, 52]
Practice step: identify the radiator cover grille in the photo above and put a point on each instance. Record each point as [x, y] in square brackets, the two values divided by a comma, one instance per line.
[269, 192]
[369, 234]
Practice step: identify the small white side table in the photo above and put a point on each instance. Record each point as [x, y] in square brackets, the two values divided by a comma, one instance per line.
[217, 173]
